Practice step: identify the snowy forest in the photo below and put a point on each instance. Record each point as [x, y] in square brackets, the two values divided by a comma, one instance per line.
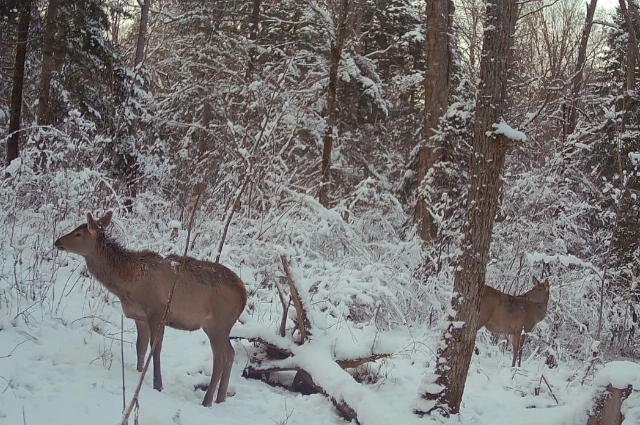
[368, 168]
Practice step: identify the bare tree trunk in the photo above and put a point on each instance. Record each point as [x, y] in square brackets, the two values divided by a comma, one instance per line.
[253, 36]
[142, 32]
[632, 52]
[436, 87]
[46, 74]
[129, 158]
[576, 85]
[489, 149]
[327, 148]
[15, 112]
[51, 27]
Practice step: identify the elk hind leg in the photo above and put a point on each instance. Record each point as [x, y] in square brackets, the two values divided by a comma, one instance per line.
[219, 342]
[226, 372]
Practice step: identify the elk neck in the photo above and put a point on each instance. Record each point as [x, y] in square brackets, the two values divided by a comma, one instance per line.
[111, 264]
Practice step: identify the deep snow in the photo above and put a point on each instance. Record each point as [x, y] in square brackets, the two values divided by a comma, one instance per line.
[60, 364]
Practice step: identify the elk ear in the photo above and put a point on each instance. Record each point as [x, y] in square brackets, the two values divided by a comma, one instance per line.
[92, 226]
[535, 281]
[105, 221]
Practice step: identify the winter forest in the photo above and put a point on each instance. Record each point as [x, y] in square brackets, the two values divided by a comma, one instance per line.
[370, 169]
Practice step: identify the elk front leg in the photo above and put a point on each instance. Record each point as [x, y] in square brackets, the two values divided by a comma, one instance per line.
[523, 339]
[516, 346]
[142, 342]
[157, 334]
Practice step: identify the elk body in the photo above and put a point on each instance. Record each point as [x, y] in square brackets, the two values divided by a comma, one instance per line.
[207, 296]
[511, 314]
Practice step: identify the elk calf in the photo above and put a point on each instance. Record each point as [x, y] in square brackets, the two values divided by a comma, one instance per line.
[207, 296]
[508, 314]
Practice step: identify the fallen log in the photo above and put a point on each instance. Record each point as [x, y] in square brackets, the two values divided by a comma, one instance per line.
[317, 367]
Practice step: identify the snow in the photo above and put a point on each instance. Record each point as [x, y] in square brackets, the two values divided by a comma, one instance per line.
[63, 366]
[504, 129]
[619, 374]
[13, 167]
[60, 338]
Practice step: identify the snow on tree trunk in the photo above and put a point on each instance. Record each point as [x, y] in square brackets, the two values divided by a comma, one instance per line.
[436, 87]
[443, 390]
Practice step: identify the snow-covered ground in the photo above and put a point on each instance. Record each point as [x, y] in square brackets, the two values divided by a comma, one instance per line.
[60, 363]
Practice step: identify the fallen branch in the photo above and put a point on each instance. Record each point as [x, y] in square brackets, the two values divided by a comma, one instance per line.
[303, 319]
[285, 309]
[273, 351]
[317, 370]
[353, 363]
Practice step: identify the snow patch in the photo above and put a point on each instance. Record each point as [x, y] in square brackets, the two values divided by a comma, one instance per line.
[504, 129]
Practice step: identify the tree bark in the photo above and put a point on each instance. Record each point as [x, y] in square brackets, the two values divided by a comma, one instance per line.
[129, 158]
[15, 111]
[327, 148]
[632, 52]
[253, 36]
[576, 84]
[51, 27]
[436, 88]
[142, 32]
[489, 149]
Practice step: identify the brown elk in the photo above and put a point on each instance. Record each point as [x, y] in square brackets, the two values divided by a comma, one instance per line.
[207, 296]
[511, 314]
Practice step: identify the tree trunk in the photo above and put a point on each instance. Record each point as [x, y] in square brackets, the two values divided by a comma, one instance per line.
[253, 37]
[327, 148]
[15, 112]
[142, 32]
[49, 39]
[632, 52]
[489, 149]
[129, 158]
[576, 84]
[436, 88]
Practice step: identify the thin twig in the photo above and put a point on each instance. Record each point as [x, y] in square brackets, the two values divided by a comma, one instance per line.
[542, 378]
[230, 216]
[14, 348]
[124, 396]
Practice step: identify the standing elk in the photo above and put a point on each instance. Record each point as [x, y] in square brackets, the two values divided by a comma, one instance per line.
[207, 296]
[511, 314]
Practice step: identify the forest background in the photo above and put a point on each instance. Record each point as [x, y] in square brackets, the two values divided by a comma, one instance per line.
[311, 125]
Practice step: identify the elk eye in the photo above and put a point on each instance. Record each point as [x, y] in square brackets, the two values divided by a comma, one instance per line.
[77, 235]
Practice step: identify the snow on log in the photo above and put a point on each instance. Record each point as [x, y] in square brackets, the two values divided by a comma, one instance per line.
[615, 382]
